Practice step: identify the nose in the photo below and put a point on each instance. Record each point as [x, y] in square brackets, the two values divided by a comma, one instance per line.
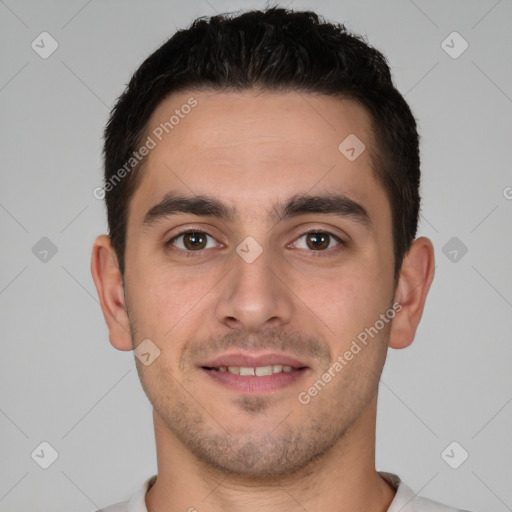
[255, 295]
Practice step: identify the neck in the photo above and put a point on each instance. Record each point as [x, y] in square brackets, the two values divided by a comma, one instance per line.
[342, 480]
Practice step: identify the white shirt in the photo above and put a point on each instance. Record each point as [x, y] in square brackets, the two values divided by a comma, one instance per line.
[404, 501]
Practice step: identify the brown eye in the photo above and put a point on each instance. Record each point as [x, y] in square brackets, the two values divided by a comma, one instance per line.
[317, 241]
[192, 241]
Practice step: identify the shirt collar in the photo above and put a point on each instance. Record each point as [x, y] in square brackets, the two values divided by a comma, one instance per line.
[404, 497]
[137, 502]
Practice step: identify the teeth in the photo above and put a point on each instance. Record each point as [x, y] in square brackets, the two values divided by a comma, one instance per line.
[259, 371]
[263, 370]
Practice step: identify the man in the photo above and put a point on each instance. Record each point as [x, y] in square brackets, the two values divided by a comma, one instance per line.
[261, 182]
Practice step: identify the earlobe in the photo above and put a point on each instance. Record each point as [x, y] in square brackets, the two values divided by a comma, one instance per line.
[109, 285]
[414, 282]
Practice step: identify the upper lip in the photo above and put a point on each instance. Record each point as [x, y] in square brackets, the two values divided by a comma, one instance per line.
[248, 360]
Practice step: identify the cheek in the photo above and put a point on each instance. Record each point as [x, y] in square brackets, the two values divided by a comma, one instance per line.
[165, 298]
[349, 299]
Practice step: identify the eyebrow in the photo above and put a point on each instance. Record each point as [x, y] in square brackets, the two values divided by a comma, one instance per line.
[300, 204]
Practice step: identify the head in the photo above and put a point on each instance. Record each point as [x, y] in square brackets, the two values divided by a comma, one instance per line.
[279, 142]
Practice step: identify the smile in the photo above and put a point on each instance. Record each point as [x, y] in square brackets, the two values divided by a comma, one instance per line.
[259, 371]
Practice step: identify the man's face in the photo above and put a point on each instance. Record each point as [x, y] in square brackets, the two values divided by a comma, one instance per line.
[255, 289]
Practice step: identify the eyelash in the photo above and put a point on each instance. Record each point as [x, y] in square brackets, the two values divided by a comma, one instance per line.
[341, 243]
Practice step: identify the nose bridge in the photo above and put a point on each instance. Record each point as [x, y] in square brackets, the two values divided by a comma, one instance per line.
[254, 297]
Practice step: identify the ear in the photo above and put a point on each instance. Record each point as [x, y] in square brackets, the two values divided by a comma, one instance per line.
[109, 285]
[414, 282]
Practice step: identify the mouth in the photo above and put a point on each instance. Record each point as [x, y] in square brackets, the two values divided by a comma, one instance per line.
[258, 371]
[251, 374]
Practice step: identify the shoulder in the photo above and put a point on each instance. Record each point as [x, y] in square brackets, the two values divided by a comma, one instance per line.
[137, 501]
[426, 505]
[406, 500]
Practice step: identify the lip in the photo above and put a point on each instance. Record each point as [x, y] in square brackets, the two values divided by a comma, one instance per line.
[253, 360]
[252, 385]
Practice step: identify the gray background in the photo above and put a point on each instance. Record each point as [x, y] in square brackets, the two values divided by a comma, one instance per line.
[62, 382]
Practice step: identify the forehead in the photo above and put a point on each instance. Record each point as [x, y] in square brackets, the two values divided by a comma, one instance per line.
[253, 149]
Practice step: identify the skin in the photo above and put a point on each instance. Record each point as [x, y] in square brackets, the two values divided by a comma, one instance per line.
[218, 449]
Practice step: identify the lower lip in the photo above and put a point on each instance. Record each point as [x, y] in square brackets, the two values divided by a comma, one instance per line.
[255, 385]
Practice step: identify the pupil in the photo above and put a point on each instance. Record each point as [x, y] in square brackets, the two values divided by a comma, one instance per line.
[318, 240]
[194, 240]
